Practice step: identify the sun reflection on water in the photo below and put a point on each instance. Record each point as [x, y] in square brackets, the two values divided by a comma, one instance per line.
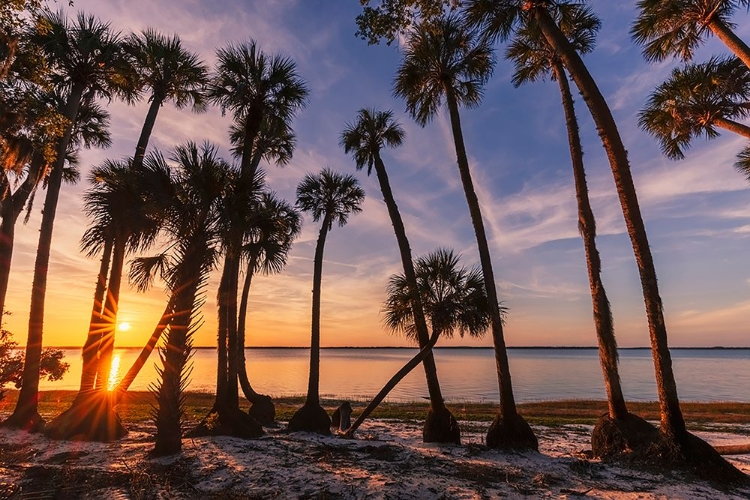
[114, 373]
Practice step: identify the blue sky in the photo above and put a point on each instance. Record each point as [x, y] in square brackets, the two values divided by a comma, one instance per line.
[697, 211]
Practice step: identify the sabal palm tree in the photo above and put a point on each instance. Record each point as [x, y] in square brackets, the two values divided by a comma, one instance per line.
[535, 60]
[330, 197]
[454, 299]
[500, 19]
[170, 73]
[364, 139]
[675, 28]
[443, 61]
[266, 249]
[694, 101]
[85, 57]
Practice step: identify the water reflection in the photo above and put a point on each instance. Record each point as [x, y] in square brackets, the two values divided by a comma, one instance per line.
[465, 374]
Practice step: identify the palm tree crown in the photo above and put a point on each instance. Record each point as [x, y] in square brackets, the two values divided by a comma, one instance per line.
[442, 57]
[371, 131]
[331, 196]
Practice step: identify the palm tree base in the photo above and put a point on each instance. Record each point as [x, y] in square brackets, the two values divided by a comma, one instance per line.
[26, 421]
[613, 437]
[694, 455]
[263, 410]
[311, 418]
[511, 433]
[228, 422]
[91, 417]
[441, 427]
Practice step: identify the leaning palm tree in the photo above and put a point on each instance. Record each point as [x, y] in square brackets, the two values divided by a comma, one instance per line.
[534, 60]
[677, 27]
[454, 298]
[171, 73]
[364, 139]
[500, 19]
[332, 197]
[442, 60]
[266, 249]
[85, 56]
[694, 101]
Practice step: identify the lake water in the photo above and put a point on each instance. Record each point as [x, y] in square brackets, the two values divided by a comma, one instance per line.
[465, 374]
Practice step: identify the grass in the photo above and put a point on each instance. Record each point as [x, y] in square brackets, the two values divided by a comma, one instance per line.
[136, 408]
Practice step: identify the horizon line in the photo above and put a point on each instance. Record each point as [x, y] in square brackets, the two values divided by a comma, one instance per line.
[436, 347]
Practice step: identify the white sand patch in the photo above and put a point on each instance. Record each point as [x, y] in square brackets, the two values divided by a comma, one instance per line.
[386, 461]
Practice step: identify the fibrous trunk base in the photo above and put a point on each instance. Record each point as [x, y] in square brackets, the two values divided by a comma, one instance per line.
[613, 437]
[511, 433]
[228, 422]
[441, 427]
[91, 417]
[263, 410]
[31, 422]
[311, 418]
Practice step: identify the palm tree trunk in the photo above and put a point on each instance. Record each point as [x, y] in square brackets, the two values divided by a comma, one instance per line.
[433, 386]
[253, 121]
[730, 39]
[423, 354]
[247, 389]
[96, 324]
[148, 127]
[732, 126]
[26, 415]
[109, 315]
[672, 421]
[313, 386]
[140, 361]
[587, 225]
[233, 349]
[222, 380]
[507, 401]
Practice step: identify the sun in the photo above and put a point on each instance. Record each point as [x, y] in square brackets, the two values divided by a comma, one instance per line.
[123, 326]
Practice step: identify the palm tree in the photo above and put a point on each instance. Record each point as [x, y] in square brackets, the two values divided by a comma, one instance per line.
[444, 61]
[85, 57]
[694, 101]
[329, 196]
[534, 59]
[743, 162]
[364, 140]
[454, 299]
[499, 19]
[677, 27]
[171, 73]
[277, 225]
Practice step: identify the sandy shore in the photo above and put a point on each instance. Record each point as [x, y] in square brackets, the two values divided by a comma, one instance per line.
[387, 460]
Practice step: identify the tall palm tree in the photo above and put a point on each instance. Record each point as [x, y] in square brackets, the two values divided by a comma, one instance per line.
[86, 58]
[442, 60]
[332, 197]
[677, 27]
[171, 73]
[277, 225]
[454, 298]
[694, 101]
[364, 139]
[534, 60]
[500, 19]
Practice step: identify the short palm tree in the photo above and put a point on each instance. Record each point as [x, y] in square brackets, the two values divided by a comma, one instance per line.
[442, 60]
[694, 101]
[364, 139]
[675, 28]
[534, 60]
[86, 57]
[330, 197]
[170, 73]
[500, 19]
[277, 224]
[454, 299]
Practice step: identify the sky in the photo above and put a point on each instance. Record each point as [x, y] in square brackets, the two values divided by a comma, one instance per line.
[697, 211]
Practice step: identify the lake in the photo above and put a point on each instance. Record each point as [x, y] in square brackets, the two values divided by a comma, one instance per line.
[539, 374]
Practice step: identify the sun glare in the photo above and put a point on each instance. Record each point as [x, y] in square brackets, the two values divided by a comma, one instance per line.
[123, 326]
[114, 373]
